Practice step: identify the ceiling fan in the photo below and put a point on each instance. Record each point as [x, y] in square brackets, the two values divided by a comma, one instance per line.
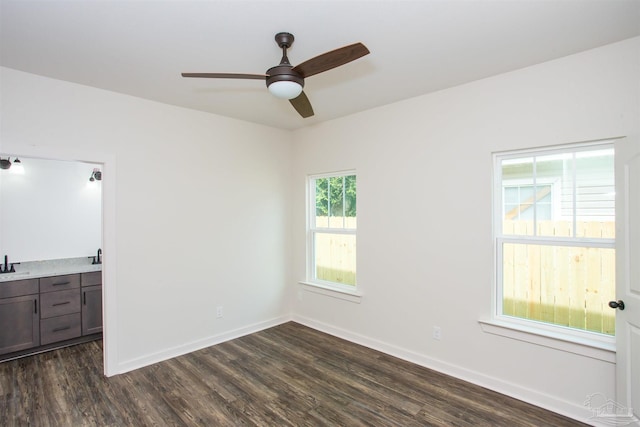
[286, 81]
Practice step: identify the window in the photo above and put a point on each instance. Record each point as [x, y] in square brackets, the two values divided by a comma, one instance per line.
[332, 230]
[555, 239]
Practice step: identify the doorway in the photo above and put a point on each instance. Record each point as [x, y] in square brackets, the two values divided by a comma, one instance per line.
[107, 165]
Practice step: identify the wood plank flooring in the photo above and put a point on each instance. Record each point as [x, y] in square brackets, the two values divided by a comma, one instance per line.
[289, 375]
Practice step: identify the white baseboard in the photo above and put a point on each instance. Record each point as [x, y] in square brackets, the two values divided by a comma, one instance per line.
[150, 359]
[543, 400]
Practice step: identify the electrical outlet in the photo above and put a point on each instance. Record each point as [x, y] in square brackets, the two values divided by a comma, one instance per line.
[437, 333]
[219, 311]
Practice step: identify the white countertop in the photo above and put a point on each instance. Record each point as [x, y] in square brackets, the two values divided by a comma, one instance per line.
[54, 267]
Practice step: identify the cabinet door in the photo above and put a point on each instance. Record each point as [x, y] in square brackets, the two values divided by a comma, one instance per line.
[20, 323]
[91, 310]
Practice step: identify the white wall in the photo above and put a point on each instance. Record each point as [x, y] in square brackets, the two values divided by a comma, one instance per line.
[196, 211]
[51, 211]
[424, 216]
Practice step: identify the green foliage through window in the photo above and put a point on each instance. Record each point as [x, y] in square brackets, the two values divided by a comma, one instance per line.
[336, 196]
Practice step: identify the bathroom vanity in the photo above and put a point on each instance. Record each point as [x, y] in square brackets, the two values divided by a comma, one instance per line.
[50, 304]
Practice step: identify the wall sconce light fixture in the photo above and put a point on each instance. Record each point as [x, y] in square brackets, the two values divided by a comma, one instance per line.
[96, 175]
[17, 165]
[5, 163]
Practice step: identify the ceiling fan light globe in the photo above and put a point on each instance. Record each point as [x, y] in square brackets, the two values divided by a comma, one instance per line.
[285, 89]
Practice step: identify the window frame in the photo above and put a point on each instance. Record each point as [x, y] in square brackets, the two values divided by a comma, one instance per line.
[349, 291]
[594, 344]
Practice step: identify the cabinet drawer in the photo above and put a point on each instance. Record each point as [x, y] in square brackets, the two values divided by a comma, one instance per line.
[59, 303]
[59, 283]
[59, 328]
[91, 278]
[17, 288]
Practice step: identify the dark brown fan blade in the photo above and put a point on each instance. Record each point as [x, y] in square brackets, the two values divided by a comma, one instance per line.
[226, 76]
[332, 59]
[302, 105]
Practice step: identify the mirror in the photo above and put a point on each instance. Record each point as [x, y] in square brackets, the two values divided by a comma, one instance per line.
[50, 210]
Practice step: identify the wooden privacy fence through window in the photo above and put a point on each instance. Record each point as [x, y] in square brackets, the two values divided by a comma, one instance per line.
[336, 253]
[564, 285]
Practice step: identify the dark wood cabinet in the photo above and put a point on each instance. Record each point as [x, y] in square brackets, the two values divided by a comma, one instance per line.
[60, 308]
[59, 303]
[45, 313]
[91, 309]
[19, 315]
[91, 302]
[91, 278]
[59, 283]
[59, 328]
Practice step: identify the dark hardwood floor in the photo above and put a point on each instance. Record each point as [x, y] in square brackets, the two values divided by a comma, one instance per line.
[288, 375]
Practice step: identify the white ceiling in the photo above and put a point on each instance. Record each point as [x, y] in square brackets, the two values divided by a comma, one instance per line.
[141, 47]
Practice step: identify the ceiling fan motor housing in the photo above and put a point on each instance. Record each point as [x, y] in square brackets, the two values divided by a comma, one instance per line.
[283, 73]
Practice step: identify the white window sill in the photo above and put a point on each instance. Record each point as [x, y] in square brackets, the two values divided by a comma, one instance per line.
[593, 348]
[334, 292]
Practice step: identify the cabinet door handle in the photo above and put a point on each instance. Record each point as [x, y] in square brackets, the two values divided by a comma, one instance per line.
[60, 284]
[61, 303]
[84, 297]
[61, 329]
[35, 306]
